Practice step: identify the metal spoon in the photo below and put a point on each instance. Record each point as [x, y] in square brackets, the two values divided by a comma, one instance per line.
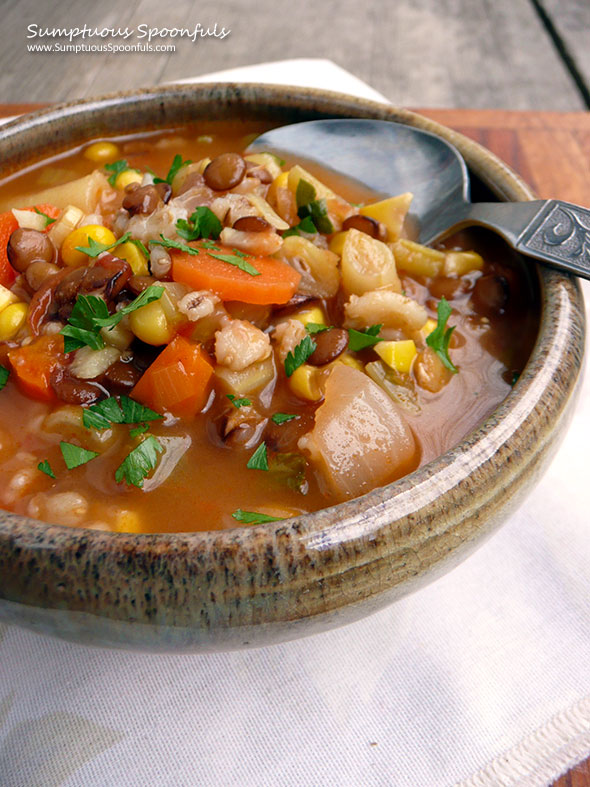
[392, 158]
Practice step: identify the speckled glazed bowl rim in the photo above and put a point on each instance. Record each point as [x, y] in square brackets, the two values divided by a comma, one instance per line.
[376, 547]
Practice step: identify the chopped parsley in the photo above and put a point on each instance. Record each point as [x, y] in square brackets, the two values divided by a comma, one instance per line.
[207, 244]
[139, 462]
[309, 207]
[259, 459]
[202, 224]
[316, 327]
[45, 467]
[173, 244]
[439, 339]
[48, 219]
[90, 314]
[282, 418]
[238, 402]
[237, 259]
[116, 168]
[74, 455]
[254, 517]
[177, 163]
[140, 246]
[359, 340]
[95, 248]
[141, 429]
[4, 375]
[299, 355]
[103, 415]
[305, 226]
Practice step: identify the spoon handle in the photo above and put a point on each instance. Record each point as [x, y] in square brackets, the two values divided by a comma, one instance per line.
[551, 231]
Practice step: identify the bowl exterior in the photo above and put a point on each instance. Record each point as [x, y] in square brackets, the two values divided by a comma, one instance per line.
[251, 586]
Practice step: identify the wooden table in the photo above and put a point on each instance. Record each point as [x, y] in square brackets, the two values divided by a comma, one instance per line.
[551, 150]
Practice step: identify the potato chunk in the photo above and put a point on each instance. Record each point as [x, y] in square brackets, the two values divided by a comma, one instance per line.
[359, 440]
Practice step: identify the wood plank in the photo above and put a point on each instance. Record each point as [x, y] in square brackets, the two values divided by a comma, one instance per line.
[571, 20]
[435, 52]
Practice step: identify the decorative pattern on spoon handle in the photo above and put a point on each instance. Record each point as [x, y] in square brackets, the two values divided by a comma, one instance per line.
[559, 234]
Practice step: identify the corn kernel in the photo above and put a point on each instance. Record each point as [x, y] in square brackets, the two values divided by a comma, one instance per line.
[398, 355]
[149, 324]
[127, 177]
[305, 383]
[136, 258]
[12, 319]
[6, 297]
[127, 522]
[458, 263]
[80, 237]
[337, 242]
[101, 152]
[428, 327]
[282, 181]
[315, 315]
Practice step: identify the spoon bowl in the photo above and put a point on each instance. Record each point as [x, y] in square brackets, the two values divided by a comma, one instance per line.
[391, 158]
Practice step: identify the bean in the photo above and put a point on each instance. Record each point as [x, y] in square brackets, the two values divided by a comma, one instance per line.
[251, 224]
[38, 272]
[364, 224]
[491, 294]
[329, 345]
[164, 190]
[144, 200]
[121, 377]
[283, 438]
[225, 171]
[71, 390]
[26, 246]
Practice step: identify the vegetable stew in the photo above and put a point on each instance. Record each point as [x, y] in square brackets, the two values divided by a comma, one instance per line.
[193, 338]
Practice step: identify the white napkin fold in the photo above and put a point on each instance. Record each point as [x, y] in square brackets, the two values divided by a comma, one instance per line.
[481, 678]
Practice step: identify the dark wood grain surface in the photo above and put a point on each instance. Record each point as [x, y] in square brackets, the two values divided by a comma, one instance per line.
[551, 150]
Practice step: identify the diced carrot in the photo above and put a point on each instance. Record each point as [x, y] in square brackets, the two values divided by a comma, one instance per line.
[8, 224]
[178, 381]
[33, 364]
[277, 282]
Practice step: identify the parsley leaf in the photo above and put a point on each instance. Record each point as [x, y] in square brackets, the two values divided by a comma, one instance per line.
[173, 244]
[48, 219]
[4, 375]
[140, 246]
[116, 168]
[238, 402]
[177, 163]
[299, 355]
[439, 338]
[304, 226]
[74, 456]
[45, 467]
[282, 418]
[107, 412]
[359, 340]
[238, 260]
[152, 293]
[254, 518]
[309, 207]
[141, 429]
[95, 248]
[207, 244]
[316, 327]
[139, 462]
[305, 193]
[202, 224]
[259, 459]
[90, 314]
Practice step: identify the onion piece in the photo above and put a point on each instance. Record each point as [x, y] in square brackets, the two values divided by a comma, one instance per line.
[360, 439]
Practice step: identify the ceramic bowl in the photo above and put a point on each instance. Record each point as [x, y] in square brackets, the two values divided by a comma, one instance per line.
[254, 585]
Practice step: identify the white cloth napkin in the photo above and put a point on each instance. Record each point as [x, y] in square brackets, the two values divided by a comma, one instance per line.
[481, 678]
